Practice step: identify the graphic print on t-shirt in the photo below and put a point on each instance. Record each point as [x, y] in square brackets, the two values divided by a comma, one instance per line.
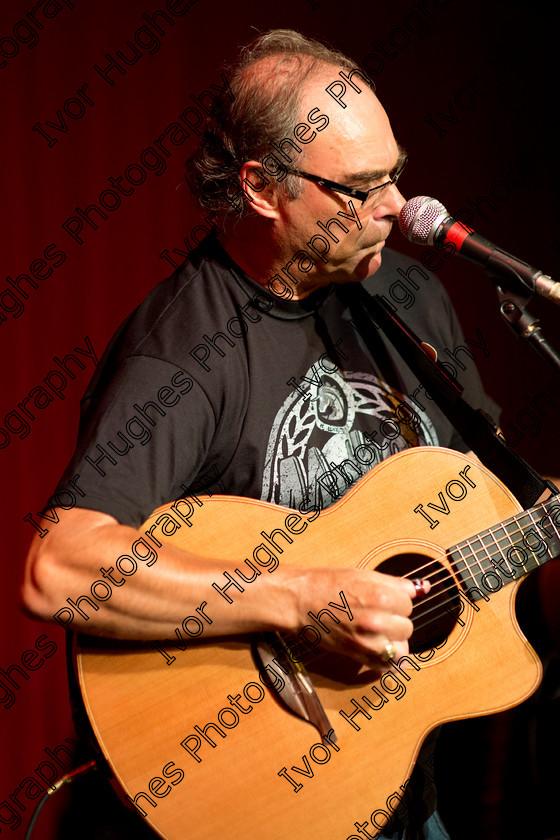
[330, 432]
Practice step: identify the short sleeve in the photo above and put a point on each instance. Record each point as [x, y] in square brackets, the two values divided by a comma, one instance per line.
[146, 435]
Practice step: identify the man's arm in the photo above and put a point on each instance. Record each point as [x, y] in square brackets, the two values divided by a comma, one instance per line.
[155, 600]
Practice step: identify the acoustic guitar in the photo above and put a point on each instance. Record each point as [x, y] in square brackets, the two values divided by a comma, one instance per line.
[200, 739]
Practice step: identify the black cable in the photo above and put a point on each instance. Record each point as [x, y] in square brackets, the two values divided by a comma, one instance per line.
[88, 767]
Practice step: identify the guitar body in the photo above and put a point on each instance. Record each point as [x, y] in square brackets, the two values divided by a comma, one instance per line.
[141, 708]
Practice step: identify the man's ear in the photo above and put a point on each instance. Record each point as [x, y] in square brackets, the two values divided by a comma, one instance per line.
[260, 190]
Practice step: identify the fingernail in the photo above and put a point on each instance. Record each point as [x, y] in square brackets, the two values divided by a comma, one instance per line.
[421, 587]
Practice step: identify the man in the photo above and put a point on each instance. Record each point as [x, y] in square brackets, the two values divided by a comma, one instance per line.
[265, 384]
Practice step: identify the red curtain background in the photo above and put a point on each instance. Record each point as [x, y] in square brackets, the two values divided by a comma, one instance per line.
[93, 206]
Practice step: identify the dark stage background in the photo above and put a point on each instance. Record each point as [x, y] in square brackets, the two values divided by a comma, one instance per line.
[472, 92]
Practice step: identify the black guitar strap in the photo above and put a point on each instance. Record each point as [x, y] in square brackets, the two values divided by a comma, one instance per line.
[476, 429]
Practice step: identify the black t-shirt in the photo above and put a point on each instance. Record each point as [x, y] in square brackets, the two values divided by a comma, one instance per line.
[213, 383]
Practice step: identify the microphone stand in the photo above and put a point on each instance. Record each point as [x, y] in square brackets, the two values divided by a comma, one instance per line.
[506, 272]
[524, 325]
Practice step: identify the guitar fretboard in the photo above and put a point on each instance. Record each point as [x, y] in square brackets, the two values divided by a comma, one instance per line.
[507, 551]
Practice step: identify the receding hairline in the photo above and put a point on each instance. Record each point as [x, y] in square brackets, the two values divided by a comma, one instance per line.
[294, 66]
[297, 69]
[274, 70]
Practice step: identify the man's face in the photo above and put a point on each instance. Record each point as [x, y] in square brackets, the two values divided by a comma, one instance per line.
[356, 149]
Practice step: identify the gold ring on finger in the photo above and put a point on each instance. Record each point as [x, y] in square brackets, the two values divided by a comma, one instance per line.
[389, 653]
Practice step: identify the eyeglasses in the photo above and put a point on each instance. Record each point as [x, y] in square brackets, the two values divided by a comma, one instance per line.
[360, 195]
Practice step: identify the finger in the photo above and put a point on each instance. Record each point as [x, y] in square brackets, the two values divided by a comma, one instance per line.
[400, 585]
[398, 628]
[391, 597]
[413, 587]
[382, 625]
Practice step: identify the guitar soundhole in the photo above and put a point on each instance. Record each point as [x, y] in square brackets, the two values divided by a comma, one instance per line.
[434, 615]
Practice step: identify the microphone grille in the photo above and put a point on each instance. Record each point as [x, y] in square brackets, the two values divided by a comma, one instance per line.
[420, 217]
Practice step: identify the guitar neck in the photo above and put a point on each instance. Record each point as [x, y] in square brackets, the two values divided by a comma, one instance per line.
[508, 551]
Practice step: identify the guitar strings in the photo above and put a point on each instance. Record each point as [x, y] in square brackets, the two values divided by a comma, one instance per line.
[484, 552]
[484, 555]
[478, 554]
[442, 607]
[447, 582]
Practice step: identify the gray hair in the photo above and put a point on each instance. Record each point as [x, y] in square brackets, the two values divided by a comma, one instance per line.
[263, 111]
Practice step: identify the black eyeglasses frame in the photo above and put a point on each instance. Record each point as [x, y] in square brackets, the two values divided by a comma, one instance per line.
[353, 192]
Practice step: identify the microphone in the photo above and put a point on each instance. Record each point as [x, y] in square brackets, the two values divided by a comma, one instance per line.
[425, 221]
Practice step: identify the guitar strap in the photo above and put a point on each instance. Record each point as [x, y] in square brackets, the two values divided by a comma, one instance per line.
[477, 430]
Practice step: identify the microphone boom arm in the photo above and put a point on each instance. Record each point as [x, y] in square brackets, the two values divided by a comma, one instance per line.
[524, 325]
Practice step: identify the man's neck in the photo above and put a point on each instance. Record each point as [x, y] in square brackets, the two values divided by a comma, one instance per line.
[262, 258]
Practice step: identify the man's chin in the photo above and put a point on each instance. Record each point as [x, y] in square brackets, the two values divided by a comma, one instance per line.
[369, 264]
[363, 266]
